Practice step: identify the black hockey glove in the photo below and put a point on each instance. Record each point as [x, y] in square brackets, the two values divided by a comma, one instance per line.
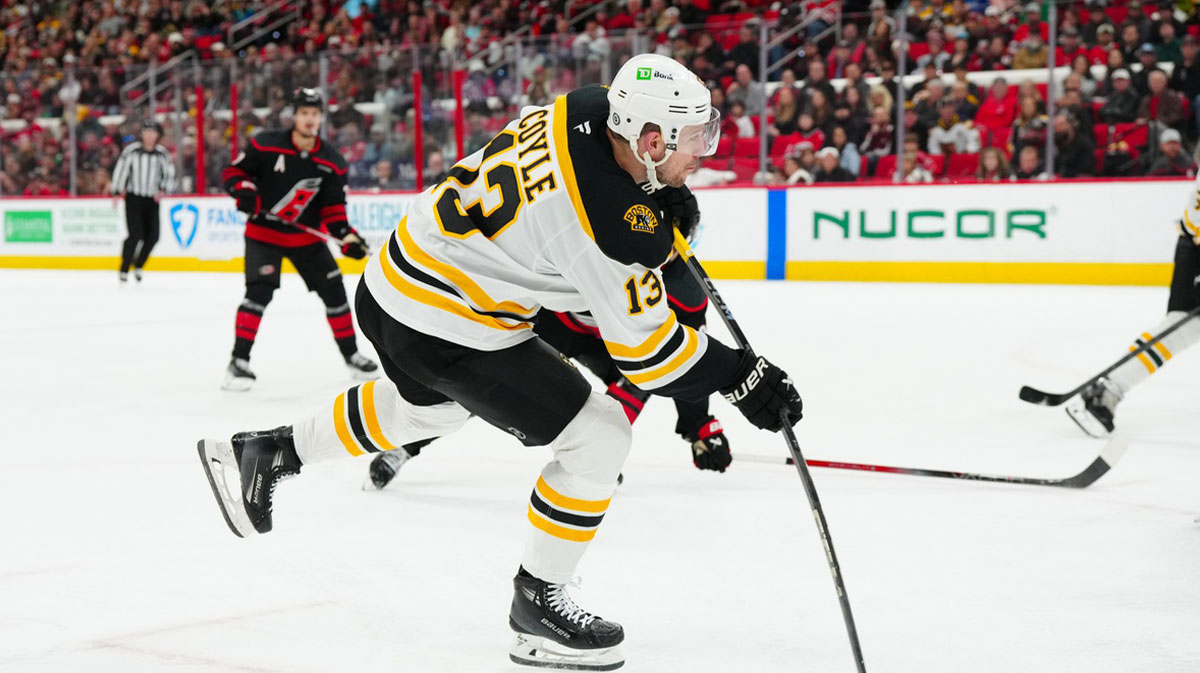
[710, 448]
[762, 391]
[353, 246]
[680, 208]
[246, 195]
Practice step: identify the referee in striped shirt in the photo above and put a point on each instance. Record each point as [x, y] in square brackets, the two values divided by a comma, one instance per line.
[142, 174]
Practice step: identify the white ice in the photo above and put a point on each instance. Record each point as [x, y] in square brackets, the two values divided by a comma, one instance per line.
[114, 558]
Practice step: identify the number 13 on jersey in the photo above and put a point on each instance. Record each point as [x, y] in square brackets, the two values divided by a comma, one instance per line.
[647, 291]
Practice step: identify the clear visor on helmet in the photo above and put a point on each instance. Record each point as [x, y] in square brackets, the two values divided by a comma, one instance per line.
[700, 140]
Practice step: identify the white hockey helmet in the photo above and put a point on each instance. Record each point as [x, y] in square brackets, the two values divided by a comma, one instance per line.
[654, 89]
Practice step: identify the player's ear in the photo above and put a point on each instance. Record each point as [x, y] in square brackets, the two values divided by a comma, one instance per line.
[652, 142]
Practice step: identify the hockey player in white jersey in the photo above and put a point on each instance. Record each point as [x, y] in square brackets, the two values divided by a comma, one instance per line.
[553, 213]
[1095, 413]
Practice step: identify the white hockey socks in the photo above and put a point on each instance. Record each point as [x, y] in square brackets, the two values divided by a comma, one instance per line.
[369, 418]
[1149, 361]
[573, 492]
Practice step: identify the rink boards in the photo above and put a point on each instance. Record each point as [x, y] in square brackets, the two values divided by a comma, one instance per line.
[1077, 232]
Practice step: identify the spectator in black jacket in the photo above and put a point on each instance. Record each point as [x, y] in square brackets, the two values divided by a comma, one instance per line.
[1173, 161]
[1185, 78]
[1122, 103]
[1141, 79]
[830, 169]
[1075, 154]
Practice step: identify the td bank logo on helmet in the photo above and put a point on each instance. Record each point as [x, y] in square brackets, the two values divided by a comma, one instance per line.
[651, 73]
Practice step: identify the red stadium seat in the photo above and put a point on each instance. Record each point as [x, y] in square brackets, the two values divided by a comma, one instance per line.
[1100, 161]
[1137, 135]
[886, 166]
[1043, 89]
[745, 168]
[781, 143]
[939, 165]
[1117, 14]
[917, 49]
[1100, 131]
[745, 147]
[864, 161]
[724, 146]
[962, 165]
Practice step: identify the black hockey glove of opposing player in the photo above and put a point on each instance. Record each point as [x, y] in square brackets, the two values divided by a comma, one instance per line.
[353, 246]
[246, 195]
[762, 391]
[680, 208]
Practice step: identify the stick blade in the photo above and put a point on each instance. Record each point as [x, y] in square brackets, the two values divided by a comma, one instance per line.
[1033, 395]
[1109, 455]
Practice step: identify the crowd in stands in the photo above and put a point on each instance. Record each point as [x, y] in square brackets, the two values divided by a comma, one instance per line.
[1130, 105]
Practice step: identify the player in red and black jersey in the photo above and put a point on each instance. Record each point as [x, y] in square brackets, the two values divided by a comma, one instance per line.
[283, 179]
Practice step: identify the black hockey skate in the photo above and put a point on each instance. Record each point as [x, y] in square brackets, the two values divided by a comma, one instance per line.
[553, 632]
[238, 375]
[361, 366]
[1096, 408]
[243, 473]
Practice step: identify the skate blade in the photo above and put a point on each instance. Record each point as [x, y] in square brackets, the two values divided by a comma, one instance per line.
[1085, 420]
[360, 375]
[536, 651]
[217, 457]
[238, 384]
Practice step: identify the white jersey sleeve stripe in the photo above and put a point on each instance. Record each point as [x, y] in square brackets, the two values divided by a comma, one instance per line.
[430, 298]
[647, 348]
[455, 277]
[688, 354]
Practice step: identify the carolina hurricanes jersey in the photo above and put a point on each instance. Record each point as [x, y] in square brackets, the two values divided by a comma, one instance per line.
[544, 217]
[1190, 225]
[305, 186]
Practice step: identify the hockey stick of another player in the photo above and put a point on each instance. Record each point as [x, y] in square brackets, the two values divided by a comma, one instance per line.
[315, 232]
[685, 251]
[1035, 396]
[1108, 457]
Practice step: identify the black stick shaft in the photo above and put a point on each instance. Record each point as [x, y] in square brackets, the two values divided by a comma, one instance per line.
[1054, 399]
[810, 489]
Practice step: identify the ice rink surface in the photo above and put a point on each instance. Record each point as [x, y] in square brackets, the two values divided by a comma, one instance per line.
[114, 557]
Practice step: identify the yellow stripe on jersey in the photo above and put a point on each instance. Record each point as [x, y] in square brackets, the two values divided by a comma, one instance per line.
[561, 501]
[1143, 359]
[339, 424]
[457, 278]
[562, 532]
[372, 419]
[563, 154]
[1191, 228]
[1160, 347]
[430, 298]
[685, 355]
[647, 347]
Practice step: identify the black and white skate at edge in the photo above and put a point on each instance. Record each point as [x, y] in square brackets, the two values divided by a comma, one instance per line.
[243, 472]
[553, 632]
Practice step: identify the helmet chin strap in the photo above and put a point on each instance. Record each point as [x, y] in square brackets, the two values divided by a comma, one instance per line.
[653, 185]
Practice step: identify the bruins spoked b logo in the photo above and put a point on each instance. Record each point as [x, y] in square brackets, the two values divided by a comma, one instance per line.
[641, 218]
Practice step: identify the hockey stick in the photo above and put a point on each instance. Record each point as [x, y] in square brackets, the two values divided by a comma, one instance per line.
[810, 490]
[1108, 457]
[1035, 396]
[315, 232]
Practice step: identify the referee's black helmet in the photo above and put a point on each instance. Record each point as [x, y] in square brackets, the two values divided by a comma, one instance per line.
[152, 125]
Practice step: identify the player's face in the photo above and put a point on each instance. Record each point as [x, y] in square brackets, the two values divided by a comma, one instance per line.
[677, 167]
[307, 121]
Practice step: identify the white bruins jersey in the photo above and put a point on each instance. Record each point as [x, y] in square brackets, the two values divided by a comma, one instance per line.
[544, 217]
[1190, 224]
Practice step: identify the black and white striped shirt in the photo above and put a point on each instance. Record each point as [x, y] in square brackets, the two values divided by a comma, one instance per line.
[143, 173]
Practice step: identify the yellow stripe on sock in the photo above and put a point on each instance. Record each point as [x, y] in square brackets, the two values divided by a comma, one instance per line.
[1160, 347]
[559, 531]
[339, 424]
[1143, 359]
[563, 502]
[369, 415]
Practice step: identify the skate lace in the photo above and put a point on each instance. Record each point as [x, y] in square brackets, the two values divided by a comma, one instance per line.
[560, 601]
